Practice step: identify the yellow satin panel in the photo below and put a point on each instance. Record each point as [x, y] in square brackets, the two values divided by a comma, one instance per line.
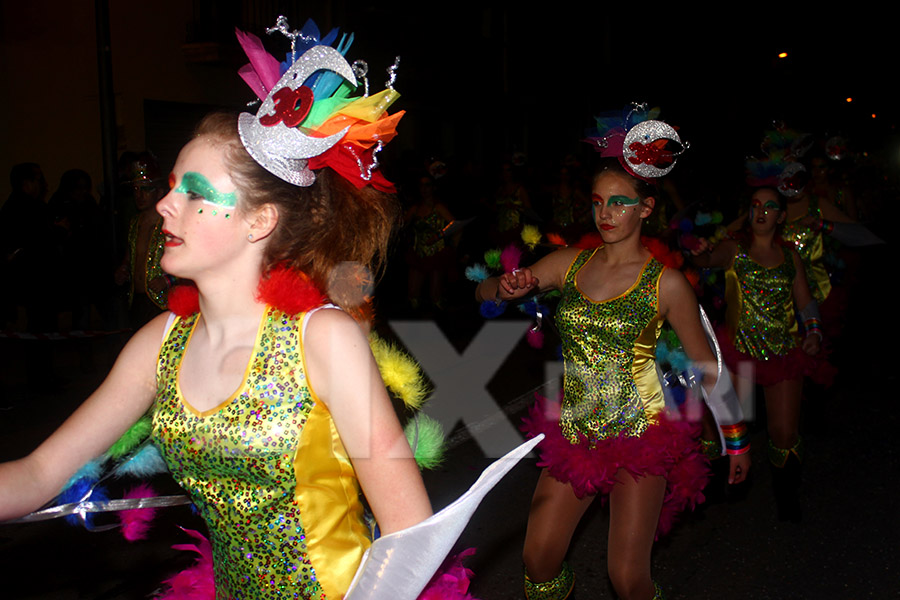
[328, 495]
[811, 247]
[644, 368]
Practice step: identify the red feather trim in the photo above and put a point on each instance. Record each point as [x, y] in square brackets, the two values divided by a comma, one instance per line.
[184, 299]
[589, 241]
[662, 253]
[556, 239]
[289, 290]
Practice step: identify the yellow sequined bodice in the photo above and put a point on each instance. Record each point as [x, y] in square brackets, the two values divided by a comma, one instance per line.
[760, 313]
[267, 471]
[610, 385]
[811, 248]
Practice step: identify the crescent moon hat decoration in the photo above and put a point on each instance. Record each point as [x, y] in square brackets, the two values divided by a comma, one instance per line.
[645, 146]
[308, 119]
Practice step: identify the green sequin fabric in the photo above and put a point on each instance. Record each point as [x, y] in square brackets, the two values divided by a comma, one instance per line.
[761, 306]
[600, 346]
[810, 244]
[557, 588]
[236, 463]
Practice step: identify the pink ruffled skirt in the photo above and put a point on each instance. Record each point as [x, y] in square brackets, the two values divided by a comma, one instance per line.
[668, 448]
[796, 364]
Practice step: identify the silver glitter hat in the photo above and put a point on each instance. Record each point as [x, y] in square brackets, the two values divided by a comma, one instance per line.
[271, 136]
[647, 147]
[307, 119]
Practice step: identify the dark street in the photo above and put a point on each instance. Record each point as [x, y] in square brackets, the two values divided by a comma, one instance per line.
[845, 546]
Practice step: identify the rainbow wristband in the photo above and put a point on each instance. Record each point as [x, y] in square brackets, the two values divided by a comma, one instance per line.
[736, 439]
[826, 226]
[812, 325]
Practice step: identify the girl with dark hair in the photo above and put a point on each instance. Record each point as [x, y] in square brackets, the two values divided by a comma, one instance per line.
[765, 280]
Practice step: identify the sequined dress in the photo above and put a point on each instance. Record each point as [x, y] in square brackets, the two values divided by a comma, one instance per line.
[612, 414]
[811, 247]
[266, 469]
[761, 329]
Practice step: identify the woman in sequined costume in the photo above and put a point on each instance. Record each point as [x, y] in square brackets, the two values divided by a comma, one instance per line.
[310, 423]
[612, 438]
[764, 280]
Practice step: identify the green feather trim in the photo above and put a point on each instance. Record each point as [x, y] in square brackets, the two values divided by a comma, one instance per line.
[132, 438]
[427, 441]
[492, 258]
[401, 374]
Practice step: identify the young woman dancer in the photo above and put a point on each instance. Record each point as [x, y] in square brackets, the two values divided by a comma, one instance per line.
[267, 406]
[765, 280]
[613, 437]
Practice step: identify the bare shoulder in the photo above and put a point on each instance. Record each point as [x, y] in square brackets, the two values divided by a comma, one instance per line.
[674, 286]
[337, 353]
[551, 270]
[329, 326]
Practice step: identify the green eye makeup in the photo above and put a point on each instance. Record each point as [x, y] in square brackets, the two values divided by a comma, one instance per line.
[195, 183]
[619, 200]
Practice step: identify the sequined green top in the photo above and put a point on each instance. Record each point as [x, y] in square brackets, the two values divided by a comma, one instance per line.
[811, 248]
[267, 471]
[610, 385]
[152, 269]
[427, 234]
[760, 313]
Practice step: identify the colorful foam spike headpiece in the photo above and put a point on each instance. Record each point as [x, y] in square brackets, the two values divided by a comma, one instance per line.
[646, 147]
[308, 119]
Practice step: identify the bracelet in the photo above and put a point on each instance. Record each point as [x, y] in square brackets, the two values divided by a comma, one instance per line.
[825, 226]
[813, 326]
[736, 439]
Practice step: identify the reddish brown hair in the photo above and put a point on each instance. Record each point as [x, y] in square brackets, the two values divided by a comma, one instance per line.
[319, 226]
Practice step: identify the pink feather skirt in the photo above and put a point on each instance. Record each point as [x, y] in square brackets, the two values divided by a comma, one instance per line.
[668, 448]
[796, 364]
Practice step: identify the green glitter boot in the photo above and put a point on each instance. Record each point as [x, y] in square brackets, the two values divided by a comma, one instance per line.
[558, 588]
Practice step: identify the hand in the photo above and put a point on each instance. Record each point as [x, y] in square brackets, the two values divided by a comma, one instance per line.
[516, 284]
[812, 344]
[739, 465]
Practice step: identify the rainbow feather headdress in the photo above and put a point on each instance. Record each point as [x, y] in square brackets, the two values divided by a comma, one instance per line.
[646, 147]
[779, 167]
[308, 119]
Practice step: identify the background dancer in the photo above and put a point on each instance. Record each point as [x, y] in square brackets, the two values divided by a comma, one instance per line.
[612, 437]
